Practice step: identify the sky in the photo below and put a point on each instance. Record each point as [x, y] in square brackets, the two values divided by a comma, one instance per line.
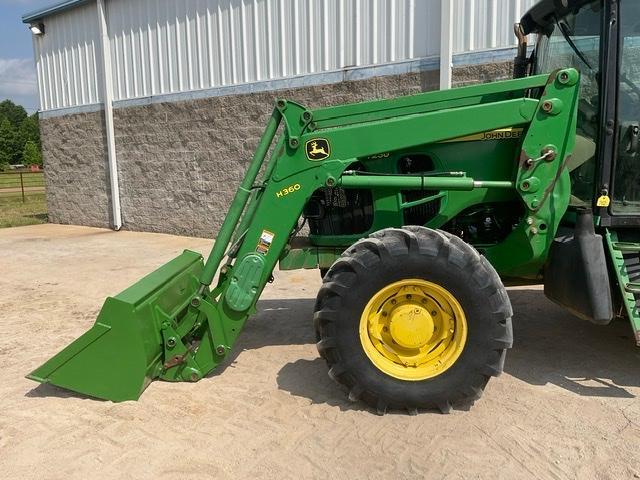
[17, 68]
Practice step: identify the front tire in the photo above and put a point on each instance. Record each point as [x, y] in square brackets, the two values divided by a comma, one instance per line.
[411, 319]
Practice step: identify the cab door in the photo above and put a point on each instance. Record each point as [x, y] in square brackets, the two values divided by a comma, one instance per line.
[625, 195]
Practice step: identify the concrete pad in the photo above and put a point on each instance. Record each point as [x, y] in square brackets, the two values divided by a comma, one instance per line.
[566, 406]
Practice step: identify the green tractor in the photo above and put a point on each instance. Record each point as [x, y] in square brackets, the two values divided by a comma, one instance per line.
[419, 211]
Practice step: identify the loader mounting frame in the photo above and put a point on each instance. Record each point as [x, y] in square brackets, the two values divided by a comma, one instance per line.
[179, 329]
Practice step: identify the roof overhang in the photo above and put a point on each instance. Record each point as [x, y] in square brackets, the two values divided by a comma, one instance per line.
[542, 15]
[58, 7]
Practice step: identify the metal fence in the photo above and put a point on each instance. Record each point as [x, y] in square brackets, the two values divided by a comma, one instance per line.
[21, 184]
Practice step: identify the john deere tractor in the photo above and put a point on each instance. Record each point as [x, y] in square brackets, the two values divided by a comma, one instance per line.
[419, 211]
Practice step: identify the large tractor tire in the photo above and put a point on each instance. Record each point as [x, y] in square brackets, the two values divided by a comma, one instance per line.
[411, 319]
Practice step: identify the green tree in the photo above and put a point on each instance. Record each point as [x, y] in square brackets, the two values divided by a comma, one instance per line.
[30, 130]
[7, 142]
[12, 112]
[31, 154]
[16, 130]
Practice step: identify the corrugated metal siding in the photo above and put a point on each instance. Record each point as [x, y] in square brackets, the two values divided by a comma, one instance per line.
[485, 24]
[67, 59]
[164, 46]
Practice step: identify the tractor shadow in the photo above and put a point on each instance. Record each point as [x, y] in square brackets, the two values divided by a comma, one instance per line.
[550, 347]
[44, 390]
[278, 322]
[289, 322]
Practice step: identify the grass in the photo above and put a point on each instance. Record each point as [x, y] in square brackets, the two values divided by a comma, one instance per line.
[15, 213]
[12, 180]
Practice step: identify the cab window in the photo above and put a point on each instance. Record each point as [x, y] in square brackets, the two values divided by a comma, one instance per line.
[626, 178]
[575, 42]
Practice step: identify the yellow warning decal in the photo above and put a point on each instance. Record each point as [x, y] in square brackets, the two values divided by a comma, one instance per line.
[604, 201]
[499, 134]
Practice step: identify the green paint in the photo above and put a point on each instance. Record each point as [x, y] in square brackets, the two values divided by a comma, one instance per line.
[122, 353]
[245, 283]
[414, 182]
[172, 326]
[240, 200]
[629, 291]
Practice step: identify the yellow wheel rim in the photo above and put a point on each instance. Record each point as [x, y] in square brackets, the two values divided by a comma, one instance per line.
[413, 329]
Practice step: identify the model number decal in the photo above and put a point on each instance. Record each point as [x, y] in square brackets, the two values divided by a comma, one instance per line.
[379, 155]
[290, 189]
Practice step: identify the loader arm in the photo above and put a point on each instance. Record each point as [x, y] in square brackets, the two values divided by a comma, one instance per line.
[173, 326]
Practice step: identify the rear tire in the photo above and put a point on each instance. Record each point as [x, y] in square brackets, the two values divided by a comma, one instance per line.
[426, 257]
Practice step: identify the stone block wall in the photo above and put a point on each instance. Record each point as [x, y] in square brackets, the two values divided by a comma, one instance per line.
[179, 163]
[76, 174]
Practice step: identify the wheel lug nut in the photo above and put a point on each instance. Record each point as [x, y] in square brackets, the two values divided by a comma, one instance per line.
[434, 313]
[409, 296]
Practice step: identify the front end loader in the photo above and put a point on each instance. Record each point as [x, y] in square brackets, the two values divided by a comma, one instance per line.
[419, 210]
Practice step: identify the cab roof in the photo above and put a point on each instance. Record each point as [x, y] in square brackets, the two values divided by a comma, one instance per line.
[541, 17]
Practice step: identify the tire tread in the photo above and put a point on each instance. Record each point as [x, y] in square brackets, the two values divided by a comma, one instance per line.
[384, 246]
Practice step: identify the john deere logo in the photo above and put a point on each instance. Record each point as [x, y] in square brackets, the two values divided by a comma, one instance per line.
[317, 149]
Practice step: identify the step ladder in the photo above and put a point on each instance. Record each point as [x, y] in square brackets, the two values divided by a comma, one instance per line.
[626, 263]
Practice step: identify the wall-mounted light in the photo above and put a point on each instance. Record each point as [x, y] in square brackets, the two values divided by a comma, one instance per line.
[37, 28]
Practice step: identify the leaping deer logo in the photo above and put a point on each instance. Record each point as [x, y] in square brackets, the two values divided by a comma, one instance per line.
[317, 149]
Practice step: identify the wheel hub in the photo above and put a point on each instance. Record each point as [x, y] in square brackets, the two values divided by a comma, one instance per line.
[411, 326]
[413, 329]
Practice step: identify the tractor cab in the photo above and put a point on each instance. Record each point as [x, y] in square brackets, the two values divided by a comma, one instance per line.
[601, 39]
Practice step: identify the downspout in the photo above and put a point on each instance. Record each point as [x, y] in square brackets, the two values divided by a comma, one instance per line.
[446, 43]
[107, 94]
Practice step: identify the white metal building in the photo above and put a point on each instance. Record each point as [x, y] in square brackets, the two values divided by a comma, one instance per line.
[214, 47]
[125, 83]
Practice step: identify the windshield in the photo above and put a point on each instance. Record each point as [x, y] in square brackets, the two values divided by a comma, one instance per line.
[626, 180]
[575, 42]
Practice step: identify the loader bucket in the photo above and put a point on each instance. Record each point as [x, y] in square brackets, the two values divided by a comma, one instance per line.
[122, 353]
